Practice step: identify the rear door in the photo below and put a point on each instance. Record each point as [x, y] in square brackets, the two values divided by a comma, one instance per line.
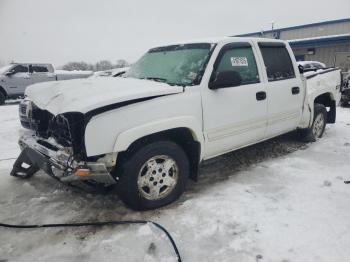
[236, 115]
[285, 91]
[41, 73]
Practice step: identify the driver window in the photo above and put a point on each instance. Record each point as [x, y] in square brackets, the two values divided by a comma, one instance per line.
[242, 61]
[20, 69]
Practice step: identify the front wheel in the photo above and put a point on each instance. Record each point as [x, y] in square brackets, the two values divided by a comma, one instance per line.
[153, 176]
[318, 126]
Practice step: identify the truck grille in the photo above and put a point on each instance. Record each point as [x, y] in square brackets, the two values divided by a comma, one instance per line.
[22, 108]
[47, 125]
[59, 129]
[67, 129]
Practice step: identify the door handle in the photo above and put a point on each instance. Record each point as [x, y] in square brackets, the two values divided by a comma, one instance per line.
[261, 95]
[295, 90]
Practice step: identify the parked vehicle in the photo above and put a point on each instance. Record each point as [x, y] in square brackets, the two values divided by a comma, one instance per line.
[75, 74]
[23, 112]
[311, 65]
[178, 105]
[345, 97]
[14, 78]
[111, 73]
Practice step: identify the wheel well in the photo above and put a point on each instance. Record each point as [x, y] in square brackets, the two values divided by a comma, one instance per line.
[181, 136]
[326, 100]
[3, 91]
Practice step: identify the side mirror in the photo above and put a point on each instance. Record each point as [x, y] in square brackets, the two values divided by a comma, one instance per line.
[10, 72]
[225, 79]
[301, 69]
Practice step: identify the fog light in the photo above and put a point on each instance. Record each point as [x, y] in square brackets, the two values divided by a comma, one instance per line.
[82, 172]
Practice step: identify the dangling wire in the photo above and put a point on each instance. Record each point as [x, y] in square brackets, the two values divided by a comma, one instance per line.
[104, 223]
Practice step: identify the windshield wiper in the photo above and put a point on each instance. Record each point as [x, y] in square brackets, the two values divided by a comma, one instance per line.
[162, 80]
[157, 79]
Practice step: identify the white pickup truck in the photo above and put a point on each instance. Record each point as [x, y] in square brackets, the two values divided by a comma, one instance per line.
[15, 77]
[148, 131]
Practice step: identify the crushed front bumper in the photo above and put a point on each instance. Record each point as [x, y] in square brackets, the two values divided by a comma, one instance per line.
[56, 161]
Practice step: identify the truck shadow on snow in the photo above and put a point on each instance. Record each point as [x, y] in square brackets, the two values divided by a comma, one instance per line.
[225, 166]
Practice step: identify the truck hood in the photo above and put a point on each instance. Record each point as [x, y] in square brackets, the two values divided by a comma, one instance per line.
[84, 95]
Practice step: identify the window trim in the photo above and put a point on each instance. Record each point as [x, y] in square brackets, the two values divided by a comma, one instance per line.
[276, 44]
[231, 46]
[35, 72]
[22, 66]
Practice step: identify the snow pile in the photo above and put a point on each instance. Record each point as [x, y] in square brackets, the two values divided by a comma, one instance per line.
[74, 72]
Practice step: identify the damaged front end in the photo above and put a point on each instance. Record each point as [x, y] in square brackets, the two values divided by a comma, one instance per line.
[57, 147]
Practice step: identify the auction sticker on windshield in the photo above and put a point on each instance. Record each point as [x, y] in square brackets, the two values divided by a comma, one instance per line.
[239, 61]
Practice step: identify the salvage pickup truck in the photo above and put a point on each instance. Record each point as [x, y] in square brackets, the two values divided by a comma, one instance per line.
[15, 77]
[180, 104]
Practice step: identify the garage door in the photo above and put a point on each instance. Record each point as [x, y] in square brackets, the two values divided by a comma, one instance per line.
[342, 60]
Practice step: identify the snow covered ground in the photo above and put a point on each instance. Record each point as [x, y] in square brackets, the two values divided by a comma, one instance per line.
[281, 200]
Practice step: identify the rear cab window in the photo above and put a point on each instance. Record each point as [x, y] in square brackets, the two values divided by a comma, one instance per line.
[278, 64]
[39, 69]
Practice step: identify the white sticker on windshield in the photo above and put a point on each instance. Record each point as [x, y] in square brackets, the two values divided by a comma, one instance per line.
[239, 61]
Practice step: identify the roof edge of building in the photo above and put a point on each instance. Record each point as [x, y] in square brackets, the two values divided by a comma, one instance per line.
[318, 41]
[297, 27]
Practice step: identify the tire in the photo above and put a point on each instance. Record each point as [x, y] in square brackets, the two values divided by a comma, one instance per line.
[143, 180]
[344, 103]
[2, 98]
[318, 126]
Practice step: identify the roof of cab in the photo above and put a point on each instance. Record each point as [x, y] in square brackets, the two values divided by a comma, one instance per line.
[218, 40]
[17, 63]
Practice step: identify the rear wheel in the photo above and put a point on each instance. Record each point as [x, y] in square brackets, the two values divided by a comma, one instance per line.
[153, 176]
[344, 103]
[318, 126]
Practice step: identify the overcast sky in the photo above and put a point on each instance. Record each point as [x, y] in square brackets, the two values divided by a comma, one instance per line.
[59, 31]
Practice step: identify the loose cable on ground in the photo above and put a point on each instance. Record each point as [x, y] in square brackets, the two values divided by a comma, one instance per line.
[103, 223]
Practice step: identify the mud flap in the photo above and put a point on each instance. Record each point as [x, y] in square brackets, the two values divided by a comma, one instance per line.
[332, 113]
[25, 165]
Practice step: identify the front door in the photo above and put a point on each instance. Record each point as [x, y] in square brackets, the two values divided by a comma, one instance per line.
[236, 115]
[19, 79]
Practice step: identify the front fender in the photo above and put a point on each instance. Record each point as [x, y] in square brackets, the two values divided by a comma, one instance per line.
[115, 130]
[126, 138]
[4, 88]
